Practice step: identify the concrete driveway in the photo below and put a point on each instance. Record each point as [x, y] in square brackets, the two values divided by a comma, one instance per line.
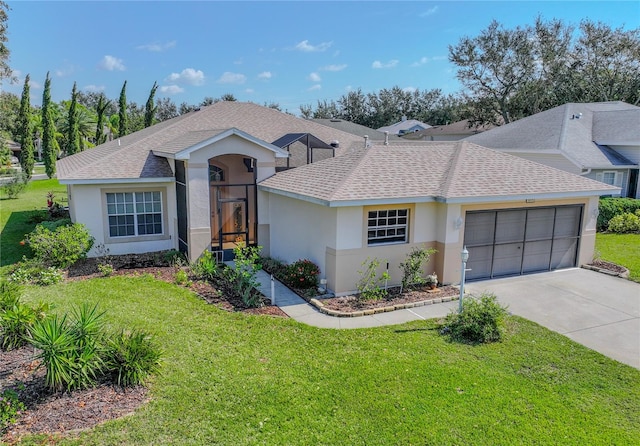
[596, 310]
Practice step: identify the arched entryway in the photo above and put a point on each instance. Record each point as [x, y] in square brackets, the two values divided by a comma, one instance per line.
[233, 203]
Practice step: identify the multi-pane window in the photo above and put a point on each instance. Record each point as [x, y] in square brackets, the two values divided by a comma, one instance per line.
[387, 226]
[215, 173]
[609, 178]
[134, 213]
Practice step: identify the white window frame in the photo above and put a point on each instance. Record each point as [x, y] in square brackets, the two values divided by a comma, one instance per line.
[617, 177]
[135, 205]
[390, 226]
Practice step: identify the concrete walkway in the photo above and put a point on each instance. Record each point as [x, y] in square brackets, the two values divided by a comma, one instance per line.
[297, 308]
[596, 310]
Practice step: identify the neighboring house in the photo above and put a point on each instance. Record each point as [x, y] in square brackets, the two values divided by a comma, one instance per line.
[404, 126]
[372, 135]
[15, 148]
[207, 180]
[599, 140]
[450, 132]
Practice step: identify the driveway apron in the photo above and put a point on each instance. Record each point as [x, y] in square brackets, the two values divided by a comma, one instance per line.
[599, 311]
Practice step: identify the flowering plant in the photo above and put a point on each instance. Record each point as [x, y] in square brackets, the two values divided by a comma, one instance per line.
[302, 274]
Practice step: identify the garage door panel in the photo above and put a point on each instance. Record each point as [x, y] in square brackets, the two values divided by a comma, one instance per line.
[540, 223]
[536, 256]
[564, 253]
[567, 222]
[479, 228]
[510, 226]
[479, 262]
[507, 259]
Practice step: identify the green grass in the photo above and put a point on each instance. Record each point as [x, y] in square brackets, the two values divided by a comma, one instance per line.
[16, 215]
[234, 379]
[622, 249]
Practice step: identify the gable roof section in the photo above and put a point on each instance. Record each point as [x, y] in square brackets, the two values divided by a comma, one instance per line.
[429, 171]
[396, 128]
[132, 157]
[620, 127]
[567, 129]
[456, 128]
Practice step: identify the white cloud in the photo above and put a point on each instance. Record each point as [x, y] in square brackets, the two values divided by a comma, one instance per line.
[232, 78]
[409, 89]
[171, 89]
[439, 58]
[306, 47]
[67, 70]
[315, 87]
[157, 47]
[94, 88]
[189, 76]
[249, 90]
[422, 61]
[314, 77]
[428, 12]
[334, 67]
[391, 64]
[348, 88]
[111, 63]
[265, 75]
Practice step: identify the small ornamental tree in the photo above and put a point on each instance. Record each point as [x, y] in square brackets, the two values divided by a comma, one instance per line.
[25, 130]
[122, 111]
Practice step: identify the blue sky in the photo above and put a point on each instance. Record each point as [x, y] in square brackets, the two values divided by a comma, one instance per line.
[288, 52]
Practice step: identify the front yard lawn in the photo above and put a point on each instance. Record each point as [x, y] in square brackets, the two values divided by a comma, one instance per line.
[623, 249]
[231, 378]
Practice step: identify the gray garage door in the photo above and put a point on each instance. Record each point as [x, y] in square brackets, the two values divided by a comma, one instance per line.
[519, 241]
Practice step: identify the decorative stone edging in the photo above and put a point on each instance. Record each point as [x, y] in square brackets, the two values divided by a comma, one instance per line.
[624, 274]
[322, 309]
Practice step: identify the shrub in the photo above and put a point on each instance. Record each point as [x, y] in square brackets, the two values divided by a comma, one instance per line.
[369, 285]
[52, 225]
[15, 185]
[626, 222]
[206, 267]
[16, 322]
[10, 293]
[242, 276]
[181, 278]
[274, 266]
[302, 274]
[106, 269]
[412, 267]
[34, 272]
[10, 407]
[132, 357]
[174, 258]
[481, 321]
[610, 207]
[62, 247]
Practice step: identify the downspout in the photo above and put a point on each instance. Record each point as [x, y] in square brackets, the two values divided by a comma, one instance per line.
[587, 172]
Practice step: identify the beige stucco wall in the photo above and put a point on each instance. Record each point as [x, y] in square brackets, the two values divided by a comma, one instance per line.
[89, 207]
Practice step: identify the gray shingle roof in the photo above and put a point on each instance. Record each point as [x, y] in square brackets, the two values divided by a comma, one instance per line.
[130, 157]
[617, 127]
[568, 129]
[403, 125]
[456, 128]
[427, 171]
[356, 129]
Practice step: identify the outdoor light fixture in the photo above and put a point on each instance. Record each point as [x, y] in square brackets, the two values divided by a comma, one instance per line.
[464, 255]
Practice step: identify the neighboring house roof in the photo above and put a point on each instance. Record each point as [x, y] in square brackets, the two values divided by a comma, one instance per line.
[142, 155]
[570, 129]
[355, 129]
[462, 128]
[428, 171]
[403, 126]
[619, 127]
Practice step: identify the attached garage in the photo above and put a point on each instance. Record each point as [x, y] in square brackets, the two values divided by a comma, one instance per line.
[509, 242]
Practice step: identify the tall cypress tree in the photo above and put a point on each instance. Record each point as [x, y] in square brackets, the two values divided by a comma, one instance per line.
[150, 109]
[24, 127]
[101, 108]
[49, 143]
[73, 132]
[122, 112]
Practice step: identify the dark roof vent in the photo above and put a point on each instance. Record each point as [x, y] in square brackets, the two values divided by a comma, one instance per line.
[335, 144]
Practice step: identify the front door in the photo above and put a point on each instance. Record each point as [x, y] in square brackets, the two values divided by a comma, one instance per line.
[233, 218]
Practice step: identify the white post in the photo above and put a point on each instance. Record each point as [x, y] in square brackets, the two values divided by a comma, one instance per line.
[465, 256]
[273, 291]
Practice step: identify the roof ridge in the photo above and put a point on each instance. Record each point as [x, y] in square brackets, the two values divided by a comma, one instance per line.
[563, 131]
[446, 185]
[362, 155]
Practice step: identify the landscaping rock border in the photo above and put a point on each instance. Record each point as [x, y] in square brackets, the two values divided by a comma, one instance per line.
[624, 274]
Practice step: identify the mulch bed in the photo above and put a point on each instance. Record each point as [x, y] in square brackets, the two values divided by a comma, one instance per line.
[351, 304]
[608, 266]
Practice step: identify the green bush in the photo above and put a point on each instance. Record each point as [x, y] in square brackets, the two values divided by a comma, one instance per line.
[274, 266]
[181, 278]
[242, 276]
[62, 247]
[412, 267]
[10, 408]
[17, 321]
[302, 274]
[10, 293]
[610, 207]
[626, 222]
[52, 225]
[132, 357]
[370, 285]
[15, 185]
[206, 267]
[481, 321]
[32, 271]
